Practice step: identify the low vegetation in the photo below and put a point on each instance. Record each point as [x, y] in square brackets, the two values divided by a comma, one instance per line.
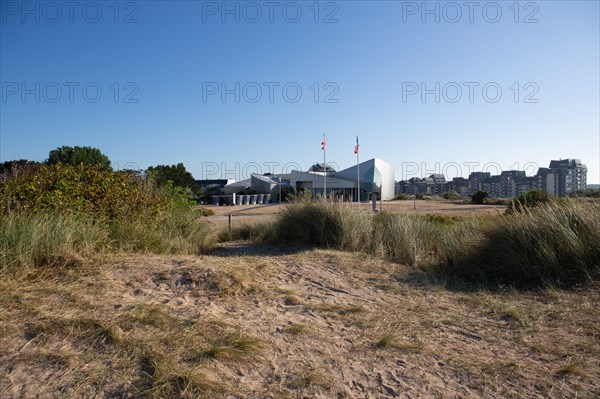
[62, 215]
[551, 243]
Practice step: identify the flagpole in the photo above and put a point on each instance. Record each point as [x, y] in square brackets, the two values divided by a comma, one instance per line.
[324, 167]
[357, 172]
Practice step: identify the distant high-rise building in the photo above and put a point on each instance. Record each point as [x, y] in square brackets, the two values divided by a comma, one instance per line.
[561, 178]
[569, 175]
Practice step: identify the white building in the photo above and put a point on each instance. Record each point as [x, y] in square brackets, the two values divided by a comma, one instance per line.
[376, 176]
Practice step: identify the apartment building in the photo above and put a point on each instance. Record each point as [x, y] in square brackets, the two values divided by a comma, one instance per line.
[561, 178]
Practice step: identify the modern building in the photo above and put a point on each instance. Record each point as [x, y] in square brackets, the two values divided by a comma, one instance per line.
[374, 176]
[219, 183]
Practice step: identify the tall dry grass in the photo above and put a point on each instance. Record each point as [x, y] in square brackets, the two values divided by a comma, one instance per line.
[557, 243]
[48, 239]
[54, 239]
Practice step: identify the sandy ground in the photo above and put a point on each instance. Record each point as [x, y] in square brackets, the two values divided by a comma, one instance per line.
[331, 324]
[257, 213]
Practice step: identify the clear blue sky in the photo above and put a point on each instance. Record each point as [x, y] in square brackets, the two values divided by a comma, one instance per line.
[368, 55]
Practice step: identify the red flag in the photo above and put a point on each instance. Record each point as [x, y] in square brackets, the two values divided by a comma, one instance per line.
[356, 146]
[323, 144]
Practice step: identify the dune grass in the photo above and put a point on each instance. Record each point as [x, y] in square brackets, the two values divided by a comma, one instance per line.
[555, 243]
[552, 244]
[52, 239]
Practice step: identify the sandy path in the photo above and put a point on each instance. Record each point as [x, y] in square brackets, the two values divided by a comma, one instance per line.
[259, 213]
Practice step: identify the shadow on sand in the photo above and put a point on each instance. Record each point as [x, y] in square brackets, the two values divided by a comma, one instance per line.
[242, 248]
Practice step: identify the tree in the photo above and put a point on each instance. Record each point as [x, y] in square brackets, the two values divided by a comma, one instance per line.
[79, 156]
[9, 167]
[479, 197]
[176, 174]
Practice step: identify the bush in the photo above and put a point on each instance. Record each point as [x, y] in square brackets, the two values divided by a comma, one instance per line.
[299, 196]
[588, 193]
[324, 224]
[452, 195]
[88, 189]
[529, 199]
[479, 197]
[61, 215]
[402, 197]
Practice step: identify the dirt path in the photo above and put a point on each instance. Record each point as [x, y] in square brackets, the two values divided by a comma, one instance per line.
[260, 213]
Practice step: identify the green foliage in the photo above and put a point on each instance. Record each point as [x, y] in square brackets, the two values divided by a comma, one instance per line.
[177, 175]
[206, 193]
[479, 197]
[76, 156]
[452, 195]
[299, 196]
[588, 193]
[89, 189]
[61, 215]
[443, 219]
[206, 212]
[529, 199]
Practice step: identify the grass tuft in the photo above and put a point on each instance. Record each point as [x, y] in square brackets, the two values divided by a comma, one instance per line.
[231, 346]
[297, 329]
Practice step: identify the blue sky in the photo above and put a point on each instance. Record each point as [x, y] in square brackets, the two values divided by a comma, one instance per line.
[517, 84]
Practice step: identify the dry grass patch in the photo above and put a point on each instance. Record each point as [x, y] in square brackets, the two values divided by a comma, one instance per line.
[297, 329]
[234, 345]
[341, 310]
[390, 340]
[310, 377]
[292, 300]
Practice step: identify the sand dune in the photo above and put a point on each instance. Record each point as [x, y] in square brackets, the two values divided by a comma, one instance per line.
[319, 324]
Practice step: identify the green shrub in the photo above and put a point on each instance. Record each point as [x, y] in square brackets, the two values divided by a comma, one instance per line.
[299, 196]
[61, 215]
[87, 189]
[479, 197]
[452, 195]
[76, 156]
[206, 212]
[529, 199]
